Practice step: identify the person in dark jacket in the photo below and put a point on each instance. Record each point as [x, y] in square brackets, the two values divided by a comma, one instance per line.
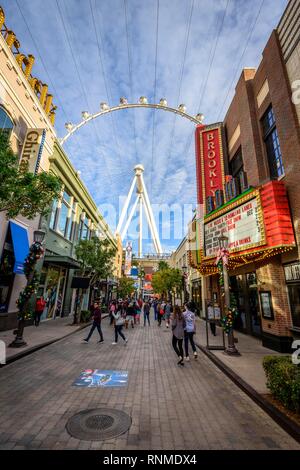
[146, 309]
[96, 323]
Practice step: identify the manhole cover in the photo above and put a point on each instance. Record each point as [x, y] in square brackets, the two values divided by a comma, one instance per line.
[98, 424]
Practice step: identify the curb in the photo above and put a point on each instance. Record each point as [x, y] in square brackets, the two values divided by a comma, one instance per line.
[284, 422]
[28, 351]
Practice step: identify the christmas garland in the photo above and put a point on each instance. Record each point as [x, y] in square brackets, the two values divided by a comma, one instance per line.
[228, 320]
[35, 253]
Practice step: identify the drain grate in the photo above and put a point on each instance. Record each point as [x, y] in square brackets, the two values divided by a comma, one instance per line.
[98, 424]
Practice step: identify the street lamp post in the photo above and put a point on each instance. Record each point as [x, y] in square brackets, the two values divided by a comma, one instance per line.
[184, 270]
[231, 349]
[35, 253]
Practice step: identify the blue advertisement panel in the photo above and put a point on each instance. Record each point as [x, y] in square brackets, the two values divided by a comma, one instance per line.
[102, 378]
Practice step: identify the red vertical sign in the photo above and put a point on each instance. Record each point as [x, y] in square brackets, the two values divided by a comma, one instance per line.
[209, 161]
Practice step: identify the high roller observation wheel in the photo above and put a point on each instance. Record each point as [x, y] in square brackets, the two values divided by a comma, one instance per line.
[143, 103]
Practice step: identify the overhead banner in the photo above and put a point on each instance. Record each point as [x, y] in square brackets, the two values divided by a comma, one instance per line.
[128, 259]
[32, 149]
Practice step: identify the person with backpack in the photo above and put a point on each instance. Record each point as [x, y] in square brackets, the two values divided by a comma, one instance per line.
[96, 323]
[39, 308]
[178, 325]
[190, 330]
[119, 322]
[160, 313]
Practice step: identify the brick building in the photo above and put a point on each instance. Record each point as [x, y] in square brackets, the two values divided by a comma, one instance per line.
[260, 150]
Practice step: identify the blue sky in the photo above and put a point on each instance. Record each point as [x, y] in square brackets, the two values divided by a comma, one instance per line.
[194, 65]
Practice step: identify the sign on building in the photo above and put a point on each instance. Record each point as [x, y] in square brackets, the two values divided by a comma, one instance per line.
[32, 149]
[242, 225]
[128, 258]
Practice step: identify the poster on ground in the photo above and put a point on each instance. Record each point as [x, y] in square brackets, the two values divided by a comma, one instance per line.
[102, 378]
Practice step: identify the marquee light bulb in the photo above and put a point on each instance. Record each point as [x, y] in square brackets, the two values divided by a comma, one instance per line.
[163, 102]
[182, 108]
[123, 100]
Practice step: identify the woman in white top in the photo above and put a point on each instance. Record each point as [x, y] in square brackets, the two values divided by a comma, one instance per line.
[119, 322]
[189, 331]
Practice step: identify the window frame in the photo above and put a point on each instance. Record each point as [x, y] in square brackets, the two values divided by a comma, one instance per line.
[9, 117]
[270, 149]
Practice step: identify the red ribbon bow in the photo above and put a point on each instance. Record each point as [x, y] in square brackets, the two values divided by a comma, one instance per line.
[222, 255]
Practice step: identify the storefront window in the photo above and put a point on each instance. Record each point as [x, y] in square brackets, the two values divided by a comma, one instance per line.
[7, 275]
[294, 296]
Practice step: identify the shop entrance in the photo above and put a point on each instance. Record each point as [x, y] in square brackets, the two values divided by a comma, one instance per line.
[52, 287]
[244, 289]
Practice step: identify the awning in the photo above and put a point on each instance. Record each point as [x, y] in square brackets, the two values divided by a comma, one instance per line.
[20, 241]
[64, 261]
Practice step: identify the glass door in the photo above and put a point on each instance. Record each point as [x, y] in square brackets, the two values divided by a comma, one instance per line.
[51, 292]
[255, 319]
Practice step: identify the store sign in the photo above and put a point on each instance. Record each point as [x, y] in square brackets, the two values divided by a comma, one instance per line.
[128, 259]
[32, 149]
[211, 159]
[241, 225]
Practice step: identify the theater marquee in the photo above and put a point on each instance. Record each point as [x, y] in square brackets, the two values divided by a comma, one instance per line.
[242, 225]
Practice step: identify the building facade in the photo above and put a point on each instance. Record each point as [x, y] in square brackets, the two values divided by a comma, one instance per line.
[248, 168]
[27, 116]
[73, 217]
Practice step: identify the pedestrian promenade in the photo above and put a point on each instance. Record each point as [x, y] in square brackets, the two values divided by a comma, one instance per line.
[171, 407]
[45, 333]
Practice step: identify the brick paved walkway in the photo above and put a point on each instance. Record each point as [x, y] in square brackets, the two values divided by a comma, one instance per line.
[172, 407]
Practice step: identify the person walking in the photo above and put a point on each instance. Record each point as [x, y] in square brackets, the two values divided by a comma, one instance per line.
[119, 322]
[189, 331]
[112, 309]
[130, 315]
[160, 313]
[39, 308]
[168, 311]
[96, 323]
[155, 309]
[178, 325]
[146, 313]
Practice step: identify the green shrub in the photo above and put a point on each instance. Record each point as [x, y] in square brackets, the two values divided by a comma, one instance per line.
[283, 380]
[85, 316]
